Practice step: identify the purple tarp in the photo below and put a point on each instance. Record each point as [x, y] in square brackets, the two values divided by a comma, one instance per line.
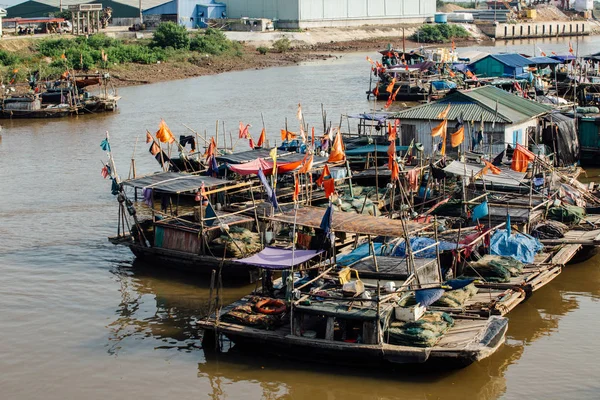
[274, 258]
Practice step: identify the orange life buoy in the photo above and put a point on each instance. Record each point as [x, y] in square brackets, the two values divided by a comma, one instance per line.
[270, 306]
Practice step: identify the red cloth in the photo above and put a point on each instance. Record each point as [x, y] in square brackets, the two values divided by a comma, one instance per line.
[329, 186]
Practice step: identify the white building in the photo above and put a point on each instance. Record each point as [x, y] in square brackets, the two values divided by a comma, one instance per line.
[320, 13]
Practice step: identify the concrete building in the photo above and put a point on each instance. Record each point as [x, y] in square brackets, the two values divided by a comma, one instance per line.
[507, 118]
[303, 13]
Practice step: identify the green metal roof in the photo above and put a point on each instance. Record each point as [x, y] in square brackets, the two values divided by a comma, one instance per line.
[480, 104]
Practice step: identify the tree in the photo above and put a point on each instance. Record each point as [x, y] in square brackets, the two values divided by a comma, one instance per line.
[169, 34]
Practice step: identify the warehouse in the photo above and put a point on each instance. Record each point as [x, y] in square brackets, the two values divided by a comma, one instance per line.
[300, 13]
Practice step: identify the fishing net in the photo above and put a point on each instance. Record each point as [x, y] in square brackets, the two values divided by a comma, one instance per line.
[567, 214]
[425, 332]
[549, 230]
[240, 242]
[494, 268]
[457, 298]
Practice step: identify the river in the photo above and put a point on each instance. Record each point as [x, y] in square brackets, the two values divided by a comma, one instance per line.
[80, 320]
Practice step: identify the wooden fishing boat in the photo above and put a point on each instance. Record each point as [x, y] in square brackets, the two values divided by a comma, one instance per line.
[199, 241]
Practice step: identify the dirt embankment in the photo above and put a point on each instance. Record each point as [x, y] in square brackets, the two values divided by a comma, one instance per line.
[135, 74]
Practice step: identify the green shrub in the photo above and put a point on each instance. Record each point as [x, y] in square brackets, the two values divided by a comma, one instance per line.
[439, 33]
[262, 50]
[8, 59]
[282, 45]
[171, 34]
[214, 42]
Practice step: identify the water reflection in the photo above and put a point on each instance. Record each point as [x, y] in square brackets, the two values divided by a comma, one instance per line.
[164, 308]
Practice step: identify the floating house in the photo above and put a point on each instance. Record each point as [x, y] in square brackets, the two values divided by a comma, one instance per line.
[506, 118]
[512, 65]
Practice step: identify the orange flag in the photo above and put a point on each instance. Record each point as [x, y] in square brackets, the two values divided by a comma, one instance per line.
[443, 151]
[369, 60]
[243, 131]
[444, 113]
[452, 74]
[261, 138]
[390, 87]
[329, 186]
[441, 128]
[312, 139]
[388, 103]
[521, 158]
[457, 137]
[324, 174]
[391, 154]
[337, 149]
[212, 146]
[395, 171]
[392, 132]
[164, 134]
[251, 143]
[490, 167]
[296, 189]
[287, 135]
[307, 164]
[149, 137]
[570, 48]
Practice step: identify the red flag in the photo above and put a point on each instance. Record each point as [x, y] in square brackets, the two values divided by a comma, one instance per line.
[251, 143]
[395, 94]
[149, 137]
[296, 189]
[312, 137]
[307, 164]
[376, 91]
[570, 48]
[324, 174]
[154, 149]
[261, 138]
[104, 172]
[329, 186]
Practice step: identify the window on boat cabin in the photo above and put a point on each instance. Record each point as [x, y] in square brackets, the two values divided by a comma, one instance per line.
[408, 133]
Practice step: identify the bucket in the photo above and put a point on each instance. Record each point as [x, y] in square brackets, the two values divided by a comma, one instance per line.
[440, 18]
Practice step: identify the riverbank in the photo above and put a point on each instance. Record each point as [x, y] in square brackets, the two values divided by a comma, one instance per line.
[251, 58]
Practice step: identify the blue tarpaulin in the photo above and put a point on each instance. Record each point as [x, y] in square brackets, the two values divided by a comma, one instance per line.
[520, 246]
[418, 243]
[443, 85]
[358, 254]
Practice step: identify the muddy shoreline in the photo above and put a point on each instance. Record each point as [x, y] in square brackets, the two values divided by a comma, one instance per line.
[139, 74]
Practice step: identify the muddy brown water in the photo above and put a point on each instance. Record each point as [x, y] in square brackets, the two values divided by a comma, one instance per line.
[79, 319]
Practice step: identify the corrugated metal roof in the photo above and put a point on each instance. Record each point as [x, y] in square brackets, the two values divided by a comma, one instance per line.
[470, 111]
[512, 60]
[543, 60]
[479, 104]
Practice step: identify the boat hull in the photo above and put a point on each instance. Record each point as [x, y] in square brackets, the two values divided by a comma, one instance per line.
[335, 352]
[196, 264]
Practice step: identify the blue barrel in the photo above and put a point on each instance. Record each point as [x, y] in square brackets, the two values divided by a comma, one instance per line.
[440, 18]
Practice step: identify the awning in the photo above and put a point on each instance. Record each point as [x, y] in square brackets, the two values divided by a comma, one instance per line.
[176, 182]
[252, 167]
[276, 258]
[349, 222]
[244, 156]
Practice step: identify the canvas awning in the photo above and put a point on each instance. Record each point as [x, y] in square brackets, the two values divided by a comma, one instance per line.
[351, 223]
[175, 182]
[276, 258]
[507, 177]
